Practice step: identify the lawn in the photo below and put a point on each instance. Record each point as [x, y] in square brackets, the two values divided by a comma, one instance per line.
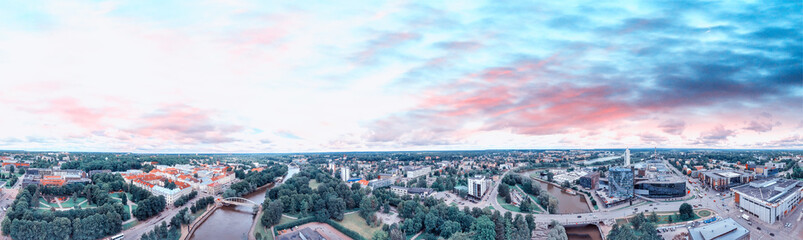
[69, 203]
[313, 184]
[86, 205]
[357, 224]
[509, 207]
[540, 209]
[663, 217]
[285, 219]
[130, 225]
[259, 228]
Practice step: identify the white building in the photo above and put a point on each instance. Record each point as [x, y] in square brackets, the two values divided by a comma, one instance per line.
[769, 200]
[414, 172]
[477, 186]
[345, 173]
[627, 157]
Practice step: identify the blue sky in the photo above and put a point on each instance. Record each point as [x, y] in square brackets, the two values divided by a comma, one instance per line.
[250, 76]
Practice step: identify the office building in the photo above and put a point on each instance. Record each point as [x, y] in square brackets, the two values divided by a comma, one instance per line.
[620, 182]
[401, 191]
[379, 183]
[660, 188]
[590, 180]
[726, 229]
[769, 200]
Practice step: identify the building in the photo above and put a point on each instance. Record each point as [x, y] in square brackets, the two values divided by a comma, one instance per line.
[722, 179]
[726, 229]
[770, 199]
[303, 234]
[627, 157]
[414, 172]
[345, 173]
[401, 191]
[620, 182]
[590, 180]
[477, 186]
[659, 188]
[379, 183]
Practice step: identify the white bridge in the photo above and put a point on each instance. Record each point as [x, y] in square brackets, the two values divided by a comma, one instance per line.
[239, 201]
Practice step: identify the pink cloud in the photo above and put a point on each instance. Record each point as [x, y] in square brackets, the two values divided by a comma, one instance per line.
[183, 124]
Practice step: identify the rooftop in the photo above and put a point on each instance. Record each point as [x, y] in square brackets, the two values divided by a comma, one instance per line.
[721, 230]
[770, 190]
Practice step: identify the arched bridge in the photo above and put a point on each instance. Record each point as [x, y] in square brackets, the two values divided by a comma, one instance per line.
[238, 201]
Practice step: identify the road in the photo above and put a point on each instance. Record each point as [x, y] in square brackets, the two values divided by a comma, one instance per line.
[137, 231]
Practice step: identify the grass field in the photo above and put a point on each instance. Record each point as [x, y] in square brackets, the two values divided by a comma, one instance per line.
[68, 203]
[260, 229]
[313, 184]
[663, 217]
[130, 225]
[535, 203]
[357, 224]
[509, 207]
[286, 219]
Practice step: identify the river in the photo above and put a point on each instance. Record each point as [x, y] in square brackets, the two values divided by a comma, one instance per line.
[233, 222]
[567, 203]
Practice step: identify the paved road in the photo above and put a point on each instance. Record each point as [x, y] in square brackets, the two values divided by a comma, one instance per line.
[136, 232]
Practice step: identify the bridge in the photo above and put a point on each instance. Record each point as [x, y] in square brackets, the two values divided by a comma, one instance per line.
[239, 201]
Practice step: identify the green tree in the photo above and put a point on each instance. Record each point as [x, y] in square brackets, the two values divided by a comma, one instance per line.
[557, 232]
[448, 228]
[380, 235]
[686, 211]
[483, 229]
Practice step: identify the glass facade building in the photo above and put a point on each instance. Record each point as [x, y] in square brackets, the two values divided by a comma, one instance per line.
[620, 181]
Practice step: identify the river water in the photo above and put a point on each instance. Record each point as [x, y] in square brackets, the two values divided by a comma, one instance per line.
[233, 222]
[584, 232]
[567, 203]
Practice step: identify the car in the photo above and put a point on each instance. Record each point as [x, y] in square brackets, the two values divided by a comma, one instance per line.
[772, 234]
[759, 228]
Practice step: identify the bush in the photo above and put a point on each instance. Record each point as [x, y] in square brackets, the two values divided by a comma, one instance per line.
[300, 221]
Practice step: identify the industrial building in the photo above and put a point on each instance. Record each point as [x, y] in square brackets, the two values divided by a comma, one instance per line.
[770, 199]
[726, 229]
[620, 182]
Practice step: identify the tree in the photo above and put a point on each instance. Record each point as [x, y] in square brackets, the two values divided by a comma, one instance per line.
[124, 198]
[460, 236]
[273, 213]
[565, 184]
[557, 232]
[638, 220]
[11, 169]
[504, 190]
[686, 212]
[448, 228]
[396, 233]
[380, 235]
[654, 217]
[483, 228]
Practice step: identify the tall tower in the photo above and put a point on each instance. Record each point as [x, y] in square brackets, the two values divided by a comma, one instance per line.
[627, 157]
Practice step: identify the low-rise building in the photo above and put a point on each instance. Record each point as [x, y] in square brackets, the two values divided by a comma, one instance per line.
[770, 200]
[726, 229]
[401, 191]
[414, 172]
[379, 183]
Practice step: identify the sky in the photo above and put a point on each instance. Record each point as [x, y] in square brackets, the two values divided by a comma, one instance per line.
[301, 76]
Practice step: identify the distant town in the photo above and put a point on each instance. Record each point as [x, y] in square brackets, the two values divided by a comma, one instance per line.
[523, 194]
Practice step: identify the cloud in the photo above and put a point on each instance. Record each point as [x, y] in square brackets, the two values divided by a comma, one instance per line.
[182, 124]
[674, 127]
[652, 138]
[761, 126]
[715, 136]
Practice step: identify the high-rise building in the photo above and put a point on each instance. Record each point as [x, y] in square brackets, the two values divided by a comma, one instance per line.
[620, 181]
[477, 186]
[345, 173]
[627, 157]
